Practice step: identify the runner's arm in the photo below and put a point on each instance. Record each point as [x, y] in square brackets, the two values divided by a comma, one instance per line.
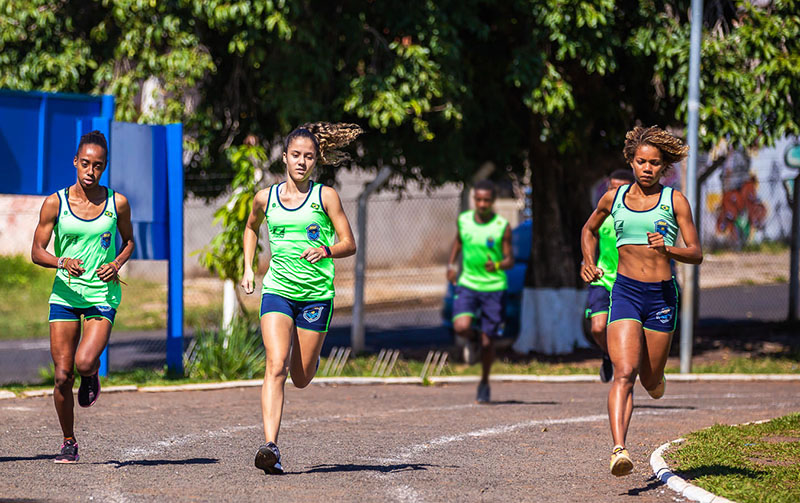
[589, 237]
[43, 233]
[250, 238]
[692, 253]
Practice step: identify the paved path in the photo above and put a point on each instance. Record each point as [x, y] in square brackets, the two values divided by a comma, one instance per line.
[537, 442]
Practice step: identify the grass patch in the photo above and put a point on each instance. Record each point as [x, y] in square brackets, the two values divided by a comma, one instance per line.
[748, 365]
[748, 463]
[25, 289]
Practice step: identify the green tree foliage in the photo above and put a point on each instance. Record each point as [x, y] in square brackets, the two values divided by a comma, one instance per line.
[444, 86]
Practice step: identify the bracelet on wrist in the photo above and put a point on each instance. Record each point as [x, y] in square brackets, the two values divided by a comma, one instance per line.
[60, 263]
[497, 265]
[327, 251]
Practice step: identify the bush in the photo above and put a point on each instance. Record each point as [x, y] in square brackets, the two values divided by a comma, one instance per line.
[219, 355]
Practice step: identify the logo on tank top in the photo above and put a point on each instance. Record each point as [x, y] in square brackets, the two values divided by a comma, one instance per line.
[278, 232]
[665, 315]
[66, 212]
[312, 314]
[109, 214]
[665, 207]
[315, 206]
[105, 240]
[490, 242]
[661, 227]
[312, 231]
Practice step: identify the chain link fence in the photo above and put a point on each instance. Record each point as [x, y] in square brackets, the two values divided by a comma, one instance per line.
[745, 229]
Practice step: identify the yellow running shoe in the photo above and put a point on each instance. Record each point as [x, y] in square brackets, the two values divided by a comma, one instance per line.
[658, 391]
[621, 463]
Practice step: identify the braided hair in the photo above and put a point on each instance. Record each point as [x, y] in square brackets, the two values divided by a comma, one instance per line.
[327, 139]
[93, 138]
[672, 148]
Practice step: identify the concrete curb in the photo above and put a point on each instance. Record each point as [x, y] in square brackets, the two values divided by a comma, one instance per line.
[677, 484]
[367, 381]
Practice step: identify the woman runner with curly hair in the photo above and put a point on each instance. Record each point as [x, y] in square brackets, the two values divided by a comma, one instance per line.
[642, 315]
[303, 217]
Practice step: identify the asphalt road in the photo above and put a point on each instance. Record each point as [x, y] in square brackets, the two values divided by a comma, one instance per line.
[408, 328]
[536, 442]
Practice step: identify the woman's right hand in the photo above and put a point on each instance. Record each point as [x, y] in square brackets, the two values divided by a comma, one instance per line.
[73, 266]
[248, 281]
[590, 273]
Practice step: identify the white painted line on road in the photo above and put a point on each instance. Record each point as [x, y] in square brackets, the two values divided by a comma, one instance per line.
[517, 378]
[7, 394]
[172, 442]
[403, 493]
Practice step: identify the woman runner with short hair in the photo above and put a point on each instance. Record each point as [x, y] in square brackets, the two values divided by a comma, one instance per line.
[642, 315]
[85, 218]
[303, 217]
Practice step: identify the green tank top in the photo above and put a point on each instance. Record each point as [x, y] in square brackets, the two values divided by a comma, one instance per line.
[609, 256]
[632, 226]
[479, 242]
[94, 242]
[291, 231]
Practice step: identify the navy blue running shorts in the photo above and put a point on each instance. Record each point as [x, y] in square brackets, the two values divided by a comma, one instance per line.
[489, 307]
[60, 312]
[314, 315]
[654, 305]
[597, 300]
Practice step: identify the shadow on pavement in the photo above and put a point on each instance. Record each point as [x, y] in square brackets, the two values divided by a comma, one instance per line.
[402, 467]
[157, 462]
[6, 459]
[717, 470]
[653, 484]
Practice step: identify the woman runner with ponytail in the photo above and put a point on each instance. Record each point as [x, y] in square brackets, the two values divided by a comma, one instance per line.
[85, 218]
[303, 217]
[642, 314]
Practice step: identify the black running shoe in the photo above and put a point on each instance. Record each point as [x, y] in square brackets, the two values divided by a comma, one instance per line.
[606, 369]
[484, 394]
[69, 452]
[89, 390]
[268, 458]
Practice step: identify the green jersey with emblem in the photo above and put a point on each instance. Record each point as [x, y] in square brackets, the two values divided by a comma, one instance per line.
[94, 242]
[632, 226]
[609, 256]
[481, 242]
[291, 231]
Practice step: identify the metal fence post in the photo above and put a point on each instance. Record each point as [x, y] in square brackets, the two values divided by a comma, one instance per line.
[357, 339]
[794, 259]
[690, 283]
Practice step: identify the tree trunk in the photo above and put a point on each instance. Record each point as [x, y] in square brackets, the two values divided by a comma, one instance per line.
[559, 204]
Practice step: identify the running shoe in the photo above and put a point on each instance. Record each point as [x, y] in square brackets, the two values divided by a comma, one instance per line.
[606, 369]
[268, 458]
[621, 463]
[69, 452]
[484, 394]
[89, 390]
[658, 391]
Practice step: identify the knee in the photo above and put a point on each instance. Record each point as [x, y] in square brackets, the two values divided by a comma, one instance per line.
[598, 332]
[85, 366]
[624, 374]
[276, 370]
[300, 381]
[462, 326]
[64, 379]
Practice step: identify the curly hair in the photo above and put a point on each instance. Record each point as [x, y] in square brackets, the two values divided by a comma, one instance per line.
[327, 139]
[672, 148]
[93, 138]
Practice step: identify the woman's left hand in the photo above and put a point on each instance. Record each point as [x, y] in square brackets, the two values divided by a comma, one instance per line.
[656, 241]
[314, 255]
[107, 272]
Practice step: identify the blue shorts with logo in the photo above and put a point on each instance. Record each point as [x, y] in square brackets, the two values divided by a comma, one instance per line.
[489, 307]
[654, 305]
[597, 300]
[314, 315]
[60, 312]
